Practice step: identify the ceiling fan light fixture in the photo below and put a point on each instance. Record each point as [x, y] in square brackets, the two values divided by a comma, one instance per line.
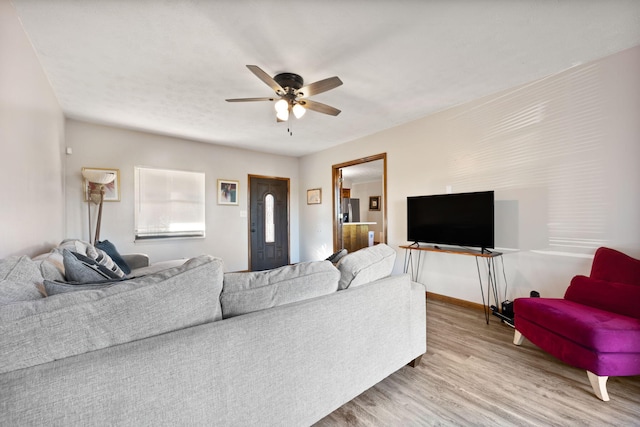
[283, 115]
[281, 106]
[299, 110]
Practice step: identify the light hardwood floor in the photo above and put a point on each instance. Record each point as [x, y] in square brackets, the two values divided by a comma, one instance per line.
[473, 375]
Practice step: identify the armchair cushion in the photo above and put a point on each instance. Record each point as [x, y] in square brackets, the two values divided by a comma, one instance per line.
[575, 322]
[615, 266]
[620, 298]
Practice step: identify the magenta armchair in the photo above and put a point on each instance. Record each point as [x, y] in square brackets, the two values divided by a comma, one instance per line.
[596, 326]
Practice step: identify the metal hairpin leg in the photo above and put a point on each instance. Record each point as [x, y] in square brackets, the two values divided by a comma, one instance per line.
[408, 264]
[492, 286]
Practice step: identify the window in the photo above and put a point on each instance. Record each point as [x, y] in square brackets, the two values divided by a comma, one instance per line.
[269, 225]
[169, 203]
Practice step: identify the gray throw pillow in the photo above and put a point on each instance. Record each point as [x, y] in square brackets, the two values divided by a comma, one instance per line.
[110, 249]
[366, 265]
[88, 250]
[82, 269]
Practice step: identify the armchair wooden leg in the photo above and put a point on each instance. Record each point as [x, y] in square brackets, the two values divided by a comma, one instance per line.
[518, 338]
[599, 385]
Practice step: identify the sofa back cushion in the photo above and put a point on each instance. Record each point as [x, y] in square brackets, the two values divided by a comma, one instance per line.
[620, 298]
[72, 323]
[246, 292]
[615, 266]
[19, 276]
[366, 265]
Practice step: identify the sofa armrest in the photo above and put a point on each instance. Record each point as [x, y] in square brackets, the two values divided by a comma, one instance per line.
[620, 298]
[136, 260]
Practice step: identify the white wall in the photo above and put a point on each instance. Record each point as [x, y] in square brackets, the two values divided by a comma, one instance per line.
[227, 232]
[31, 140]
[362, 191]
[561, 154]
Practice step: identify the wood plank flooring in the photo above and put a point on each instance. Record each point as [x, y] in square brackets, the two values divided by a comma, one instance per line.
[473, 375]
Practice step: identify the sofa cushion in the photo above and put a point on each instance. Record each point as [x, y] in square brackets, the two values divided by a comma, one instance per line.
[72, 323]
[82, 269]
[51, 264]
[246, 292]
[99, 256]
[366, 265]
[156, 267]
[50, 287]
[19, 276]
[110, 249]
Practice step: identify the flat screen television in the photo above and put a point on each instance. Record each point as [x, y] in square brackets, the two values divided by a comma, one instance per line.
[461, 219]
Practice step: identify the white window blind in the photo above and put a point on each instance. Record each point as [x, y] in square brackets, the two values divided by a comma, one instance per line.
[169, 203]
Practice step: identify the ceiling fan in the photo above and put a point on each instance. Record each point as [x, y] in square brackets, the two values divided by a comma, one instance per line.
[292, 94]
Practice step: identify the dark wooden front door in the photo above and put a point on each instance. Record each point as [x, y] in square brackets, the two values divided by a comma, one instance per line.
[268, 222]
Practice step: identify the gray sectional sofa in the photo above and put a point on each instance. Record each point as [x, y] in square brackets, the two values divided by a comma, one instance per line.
[192, 345]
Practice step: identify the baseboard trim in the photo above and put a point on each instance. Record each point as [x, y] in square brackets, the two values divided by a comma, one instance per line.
[455, 301]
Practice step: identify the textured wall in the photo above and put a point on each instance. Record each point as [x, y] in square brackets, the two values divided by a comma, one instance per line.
[31, 143]
[226, 228]
[561, 154]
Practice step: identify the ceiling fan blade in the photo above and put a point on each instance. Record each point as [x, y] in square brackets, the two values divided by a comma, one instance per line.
[320, 107]
[249, 99]
[266, 78]
[319, 87]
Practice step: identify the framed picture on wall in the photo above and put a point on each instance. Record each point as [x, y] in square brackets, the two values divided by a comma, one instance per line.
[374, 203]
[314, 196]
[111, 190]
[228, 192]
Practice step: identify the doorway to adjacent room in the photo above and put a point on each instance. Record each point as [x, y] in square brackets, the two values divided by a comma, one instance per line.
[360, 202]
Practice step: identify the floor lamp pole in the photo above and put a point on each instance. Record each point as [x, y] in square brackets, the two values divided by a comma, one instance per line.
[96, 239]
[89, 211]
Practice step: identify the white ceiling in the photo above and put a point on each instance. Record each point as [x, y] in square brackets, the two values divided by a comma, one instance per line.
[168, 66]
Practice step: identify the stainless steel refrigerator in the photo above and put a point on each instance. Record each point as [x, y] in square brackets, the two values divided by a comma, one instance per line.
[350, 210]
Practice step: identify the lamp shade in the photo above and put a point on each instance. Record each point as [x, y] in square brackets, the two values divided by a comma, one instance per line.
[299, 110]
[98, 177]
[283, 115]
[281, 106]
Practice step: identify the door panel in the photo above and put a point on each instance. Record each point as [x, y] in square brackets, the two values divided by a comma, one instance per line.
[268, 222]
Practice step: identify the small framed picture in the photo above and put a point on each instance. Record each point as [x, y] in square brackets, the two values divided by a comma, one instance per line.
[314, 196]
[111, 190]
[228, 192]
[374, 203]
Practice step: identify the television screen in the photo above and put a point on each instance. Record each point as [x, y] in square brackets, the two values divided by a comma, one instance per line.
[462, 219]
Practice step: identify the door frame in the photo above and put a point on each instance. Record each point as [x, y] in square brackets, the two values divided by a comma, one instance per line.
[288, 180]
[335, 176]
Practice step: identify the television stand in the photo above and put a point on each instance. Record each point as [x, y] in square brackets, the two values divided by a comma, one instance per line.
[483, 254]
